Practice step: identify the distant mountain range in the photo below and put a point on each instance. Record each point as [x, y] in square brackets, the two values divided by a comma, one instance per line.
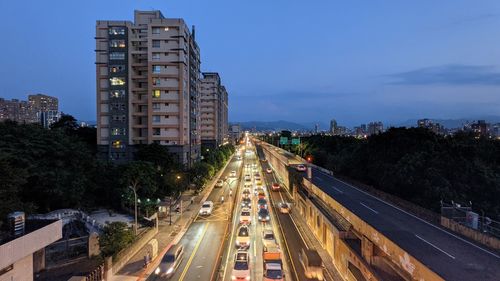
[280, 125]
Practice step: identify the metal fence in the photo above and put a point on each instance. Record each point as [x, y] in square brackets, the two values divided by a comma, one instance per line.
[96, 275]
[464, 215]
[66, 250]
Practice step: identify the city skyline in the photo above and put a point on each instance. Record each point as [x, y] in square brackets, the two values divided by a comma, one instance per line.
[388, 62]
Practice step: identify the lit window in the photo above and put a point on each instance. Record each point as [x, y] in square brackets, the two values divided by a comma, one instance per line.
[156, 43]
[118, 131]
[156, 56]
[156, 93]
[156, 119]
[118, 144]
[117, 81]
[117, 43]
[117, 94]
[116, 56]
[156, 81]
[156, 30]
[116, 68]
[115, 30]
[156, 68]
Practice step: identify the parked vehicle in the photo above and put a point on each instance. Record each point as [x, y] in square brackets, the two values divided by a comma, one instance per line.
[170, 261]
[311, 263]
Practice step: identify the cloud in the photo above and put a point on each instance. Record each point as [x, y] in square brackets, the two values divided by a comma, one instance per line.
[452, 74]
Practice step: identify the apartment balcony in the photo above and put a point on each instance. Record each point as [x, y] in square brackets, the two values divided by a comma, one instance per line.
[139, 101]
[139, 114]
[140, 126]
[139, 77]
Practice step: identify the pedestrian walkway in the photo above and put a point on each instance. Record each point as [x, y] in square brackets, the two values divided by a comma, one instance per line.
[134, 269]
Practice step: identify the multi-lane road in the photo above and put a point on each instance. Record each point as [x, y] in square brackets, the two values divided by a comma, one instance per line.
[204, 238]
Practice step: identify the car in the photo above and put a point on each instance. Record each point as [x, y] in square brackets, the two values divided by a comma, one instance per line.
[284, 208]
[247, 166]
[301, 168]
[263, 215]
[262, 203]
[206, 208]
[312, 264]
[238, 158]
[170, 261]
[254, 165]
[246, 192]
[261, 194]
[241, 268]
[269, 170]
[245, 216]
[264, 160]
[248, 177]
[243, 237]
[232, 174]
[275, 186]
[256, 175]
[246, 202]
[219, 183]
[268, 239]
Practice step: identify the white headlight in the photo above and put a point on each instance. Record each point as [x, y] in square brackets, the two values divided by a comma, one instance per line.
[157, 271]
[170, 270]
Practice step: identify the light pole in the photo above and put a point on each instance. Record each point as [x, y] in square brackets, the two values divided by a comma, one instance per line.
[135, 212]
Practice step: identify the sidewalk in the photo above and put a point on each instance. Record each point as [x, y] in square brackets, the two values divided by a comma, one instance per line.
[134, 269]
[167, 233]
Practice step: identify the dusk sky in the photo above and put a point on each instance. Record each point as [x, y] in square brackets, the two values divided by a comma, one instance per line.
[355, 61]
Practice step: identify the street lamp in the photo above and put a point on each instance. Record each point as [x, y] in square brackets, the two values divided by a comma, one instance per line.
[135, 212]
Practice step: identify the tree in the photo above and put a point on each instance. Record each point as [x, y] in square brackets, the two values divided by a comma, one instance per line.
[140, 176]
[11, 181]
[67, 123]
[157, 154]
[115, 237]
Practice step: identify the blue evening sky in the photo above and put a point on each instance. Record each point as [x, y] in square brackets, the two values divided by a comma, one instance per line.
[355, 61]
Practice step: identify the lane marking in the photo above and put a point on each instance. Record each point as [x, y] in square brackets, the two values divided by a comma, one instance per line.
[338, 190]
[376, 212]
[412, 215]
[188, 264]
[435, 247]
[318, 178]
[219, 252]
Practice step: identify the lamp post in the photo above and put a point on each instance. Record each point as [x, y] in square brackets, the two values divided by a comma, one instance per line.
[135, 212]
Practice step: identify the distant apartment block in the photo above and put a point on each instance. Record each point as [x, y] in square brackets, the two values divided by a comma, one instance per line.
[147, 75]
[480, 128]
[235, 133]
[333, 127]
[39, 108]
[213, 108]
[375, 128]
[431, 125]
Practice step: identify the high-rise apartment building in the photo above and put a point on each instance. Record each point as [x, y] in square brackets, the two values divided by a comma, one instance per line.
[43, 102]
[35, 110]
[213, 109]
[147, 74]
[333, 127]
[375, 128]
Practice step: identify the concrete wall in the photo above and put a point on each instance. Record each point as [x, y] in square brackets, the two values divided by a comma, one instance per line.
[23, 270]
[482, 238]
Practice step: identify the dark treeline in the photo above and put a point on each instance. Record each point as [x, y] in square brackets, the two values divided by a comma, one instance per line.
[43, 170]
[417, 165]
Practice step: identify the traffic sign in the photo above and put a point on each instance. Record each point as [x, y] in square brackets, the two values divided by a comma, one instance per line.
[296, 141]
[283, 140]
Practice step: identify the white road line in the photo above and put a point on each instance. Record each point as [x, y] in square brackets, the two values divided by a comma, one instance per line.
[338, 190]
[412, 215]
[376, 212]
[318, 178]
[435, 247]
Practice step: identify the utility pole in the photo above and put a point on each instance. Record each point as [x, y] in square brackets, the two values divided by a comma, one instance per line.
[135, 212]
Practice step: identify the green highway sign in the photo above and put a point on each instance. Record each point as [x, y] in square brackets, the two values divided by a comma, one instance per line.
[296, 141]
[283, 140]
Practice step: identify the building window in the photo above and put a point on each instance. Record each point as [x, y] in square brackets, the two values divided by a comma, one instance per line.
[156, 119]
[118, 144]
[156, 43]
[155, 30]
[118, 106]
[117, 43]
[119, 118]
[117, 56]
[156, 107]
[156, 68]
[156, 132]
[156, 81]
[155, 56]
[116, 30]
[118, 131]
[117, 81]
[117, 94]
[116, 68]
[156, 93]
